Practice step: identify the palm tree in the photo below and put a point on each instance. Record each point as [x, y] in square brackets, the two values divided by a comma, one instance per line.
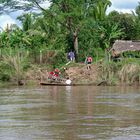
[26, 20]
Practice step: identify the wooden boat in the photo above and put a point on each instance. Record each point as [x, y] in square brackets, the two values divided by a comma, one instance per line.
[63, 84]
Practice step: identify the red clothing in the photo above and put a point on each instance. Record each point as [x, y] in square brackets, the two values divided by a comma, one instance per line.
[57, 72]
[56, 75]
[52, 73]
[89, 59]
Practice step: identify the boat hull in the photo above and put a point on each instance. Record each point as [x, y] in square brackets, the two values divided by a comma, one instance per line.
[61, 84]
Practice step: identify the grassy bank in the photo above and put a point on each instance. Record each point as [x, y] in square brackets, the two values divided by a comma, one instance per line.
[16, 69]
[126, 72]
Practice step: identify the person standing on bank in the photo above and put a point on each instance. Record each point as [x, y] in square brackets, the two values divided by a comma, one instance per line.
[88, 62]
[71, 56]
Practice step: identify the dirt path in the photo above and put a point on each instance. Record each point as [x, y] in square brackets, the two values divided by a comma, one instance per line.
[81, 74]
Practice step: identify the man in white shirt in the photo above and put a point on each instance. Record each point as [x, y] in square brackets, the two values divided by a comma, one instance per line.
[68, 81]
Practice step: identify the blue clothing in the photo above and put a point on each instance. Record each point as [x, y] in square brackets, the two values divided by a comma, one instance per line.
[71, 55]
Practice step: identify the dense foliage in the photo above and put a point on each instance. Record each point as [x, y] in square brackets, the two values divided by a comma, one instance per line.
[81, 26]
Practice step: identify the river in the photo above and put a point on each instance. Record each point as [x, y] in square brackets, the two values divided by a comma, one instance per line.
[70, 113]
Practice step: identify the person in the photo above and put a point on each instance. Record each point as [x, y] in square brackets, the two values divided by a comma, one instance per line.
[68, 81]
[64, 72]
[54, 75]
[51, 76]
[57, 74]
[71, 56]
[89, 61]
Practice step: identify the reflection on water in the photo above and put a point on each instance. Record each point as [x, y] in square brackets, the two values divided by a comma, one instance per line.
[70, 113]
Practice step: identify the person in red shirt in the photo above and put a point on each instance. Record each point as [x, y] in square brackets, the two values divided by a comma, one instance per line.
[51, 75]
[54, 75]
[57, 74]
[89, 61]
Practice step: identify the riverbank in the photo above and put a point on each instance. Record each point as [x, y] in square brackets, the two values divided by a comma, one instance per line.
[77, 72]
[111, 74]
[107, 74]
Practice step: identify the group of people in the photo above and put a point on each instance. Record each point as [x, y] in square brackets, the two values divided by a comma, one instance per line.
[56, 74]
[71, 57]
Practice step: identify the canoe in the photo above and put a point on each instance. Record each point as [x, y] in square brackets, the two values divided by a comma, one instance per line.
[62, 84]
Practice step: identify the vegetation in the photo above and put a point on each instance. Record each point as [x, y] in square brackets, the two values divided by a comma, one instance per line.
[126, 71]
[82, 26]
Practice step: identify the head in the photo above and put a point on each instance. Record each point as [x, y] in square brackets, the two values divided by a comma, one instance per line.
[65, 68]
[56, 70]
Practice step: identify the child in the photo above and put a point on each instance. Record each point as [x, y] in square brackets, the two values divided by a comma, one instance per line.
[89, 61]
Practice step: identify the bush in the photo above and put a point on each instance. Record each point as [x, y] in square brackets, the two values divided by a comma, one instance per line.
[4, 77]
[132, 54]
[59, 59]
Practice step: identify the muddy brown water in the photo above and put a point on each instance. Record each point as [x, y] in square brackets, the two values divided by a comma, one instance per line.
[70, 113]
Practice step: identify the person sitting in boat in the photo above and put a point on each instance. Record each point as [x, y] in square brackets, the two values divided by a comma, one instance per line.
[57, 74]
[54, 75]
[51, 76]
[68, 81]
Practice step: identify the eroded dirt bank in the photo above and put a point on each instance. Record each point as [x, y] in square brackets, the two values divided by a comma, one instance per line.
[78, 74]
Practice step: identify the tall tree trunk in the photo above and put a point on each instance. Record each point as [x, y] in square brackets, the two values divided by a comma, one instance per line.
[75, 42]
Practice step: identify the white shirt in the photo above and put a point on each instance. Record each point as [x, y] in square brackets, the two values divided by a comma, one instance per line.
[68, 82]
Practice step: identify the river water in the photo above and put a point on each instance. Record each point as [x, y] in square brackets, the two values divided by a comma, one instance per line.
[70, 113]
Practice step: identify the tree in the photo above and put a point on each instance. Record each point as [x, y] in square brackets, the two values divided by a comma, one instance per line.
[7, 6]
[125, 22]
[74, 15]
[137, 22]
[69, 14]
[27, 21]
[109, 33]
[98, 9]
